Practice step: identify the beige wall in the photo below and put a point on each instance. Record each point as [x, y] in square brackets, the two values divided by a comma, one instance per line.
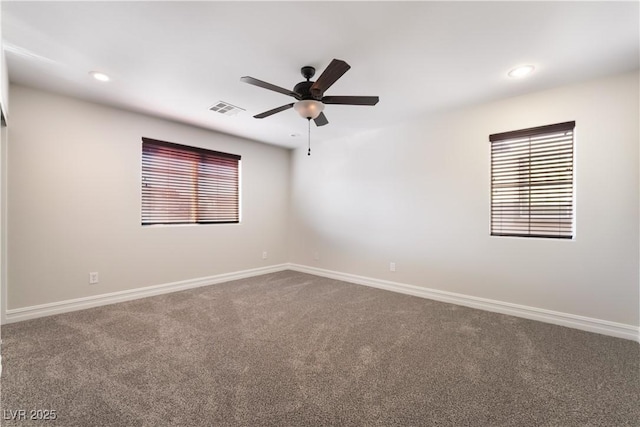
[418, 195]
[74, 204]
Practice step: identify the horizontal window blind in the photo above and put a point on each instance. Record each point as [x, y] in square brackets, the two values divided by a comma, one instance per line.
[532, 182]
[188, 185]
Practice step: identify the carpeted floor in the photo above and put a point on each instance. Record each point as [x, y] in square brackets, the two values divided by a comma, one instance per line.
[291, 349]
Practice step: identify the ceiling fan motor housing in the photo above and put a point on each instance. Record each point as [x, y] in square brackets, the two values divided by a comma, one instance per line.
[304, 90]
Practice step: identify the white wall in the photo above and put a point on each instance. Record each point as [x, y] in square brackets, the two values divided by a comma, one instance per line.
[419, 195]
[74, 204]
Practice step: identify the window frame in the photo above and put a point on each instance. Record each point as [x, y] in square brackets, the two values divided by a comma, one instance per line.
[195, 155]
[543, 192]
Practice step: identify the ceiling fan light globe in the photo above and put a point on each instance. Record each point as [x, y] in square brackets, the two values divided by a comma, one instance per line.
[309, 109]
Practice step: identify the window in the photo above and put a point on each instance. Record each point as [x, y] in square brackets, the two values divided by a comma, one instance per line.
[188, 185]
[532, 182]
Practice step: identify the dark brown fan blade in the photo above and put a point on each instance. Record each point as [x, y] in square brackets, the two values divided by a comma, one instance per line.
[321, 120]
[269, 86]
[351, 100]
[275, 110]
[333, 72]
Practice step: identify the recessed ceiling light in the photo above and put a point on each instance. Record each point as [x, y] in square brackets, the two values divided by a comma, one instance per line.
[100, 76]
[521, 71]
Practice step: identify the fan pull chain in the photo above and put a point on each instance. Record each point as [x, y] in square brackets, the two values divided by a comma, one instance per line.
[309, 136]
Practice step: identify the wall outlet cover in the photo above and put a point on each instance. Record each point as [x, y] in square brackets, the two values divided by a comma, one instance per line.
[93, 278]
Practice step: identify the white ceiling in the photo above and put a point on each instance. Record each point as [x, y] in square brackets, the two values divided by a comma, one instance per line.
[176, 59]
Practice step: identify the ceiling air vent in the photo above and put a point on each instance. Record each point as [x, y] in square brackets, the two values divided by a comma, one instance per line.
[225, 108]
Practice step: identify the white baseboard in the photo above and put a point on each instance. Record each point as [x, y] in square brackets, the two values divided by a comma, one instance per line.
[32, 312]
[589, 324]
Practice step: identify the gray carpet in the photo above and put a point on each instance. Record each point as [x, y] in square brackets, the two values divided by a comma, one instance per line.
[291, 349]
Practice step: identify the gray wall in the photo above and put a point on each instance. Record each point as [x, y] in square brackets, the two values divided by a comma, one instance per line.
[418, 195]
[74, 204]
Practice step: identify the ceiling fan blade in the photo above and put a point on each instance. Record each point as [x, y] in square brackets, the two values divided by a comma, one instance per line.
[274, 111]
[333, 72]
[321, 120]
[269, 86]
[351, 100]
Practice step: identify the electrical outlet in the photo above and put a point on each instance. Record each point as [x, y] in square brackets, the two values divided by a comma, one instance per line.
[316, 255]
[392, 266]
[264, 254]
[93, 278]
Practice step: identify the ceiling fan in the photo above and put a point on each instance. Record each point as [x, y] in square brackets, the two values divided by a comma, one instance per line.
[310, 95]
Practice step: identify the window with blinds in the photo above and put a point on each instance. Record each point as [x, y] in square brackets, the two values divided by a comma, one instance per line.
[532, 182]
[188, 185]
